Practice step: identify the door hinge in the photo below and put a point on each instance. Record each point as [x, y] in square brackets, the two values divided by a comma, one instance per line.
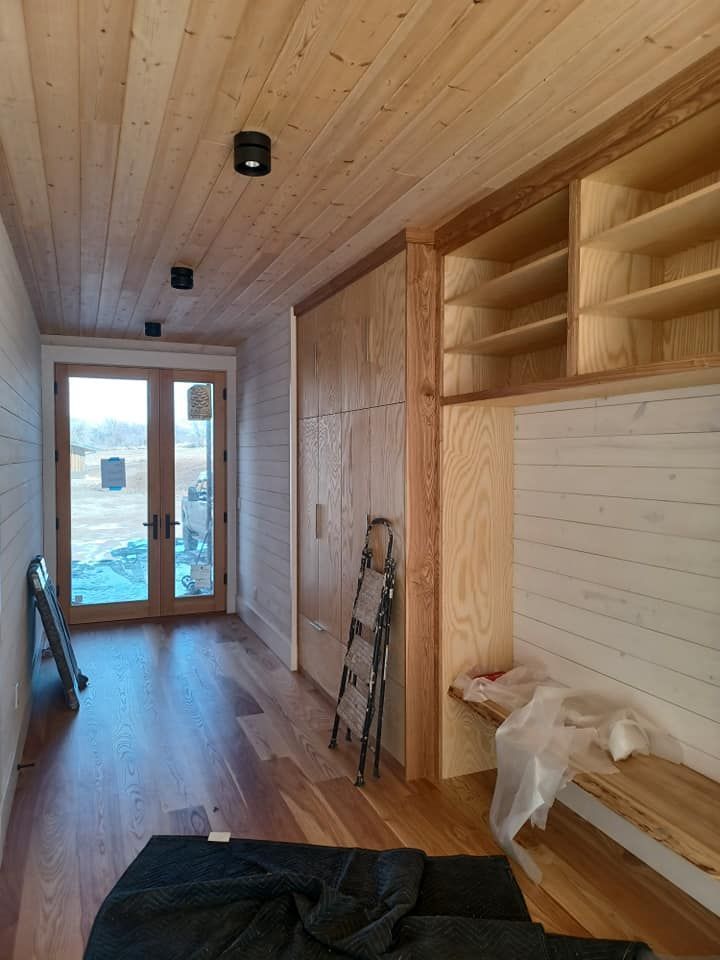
[224, 456]
[57, 457]
[224, 393]
[225, 517]
[55, 388]
[225, 579]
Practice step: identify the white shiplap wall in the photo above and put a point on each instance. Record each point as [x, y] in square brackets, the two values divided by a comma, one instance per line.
[20, 509]
[617, 554]
[263, 420]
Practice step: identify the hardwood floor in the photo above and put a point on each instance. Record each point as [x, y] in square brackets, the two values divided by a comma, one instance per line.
[192, 724]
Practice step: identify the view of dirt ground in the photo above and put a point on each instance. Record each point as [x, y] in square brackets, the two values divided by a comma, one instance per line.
[109, 541]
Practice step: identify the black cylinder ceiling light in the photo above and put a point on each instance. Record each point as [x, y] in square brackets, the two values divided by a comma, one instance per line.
[252, 153]
[181, 278]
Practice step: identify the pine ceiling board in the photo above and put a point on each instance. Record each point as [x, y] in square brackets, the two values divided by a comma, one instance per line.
[21, 141]
[158, 30]
[105, 29]
[684, 26]
[52, 37]
[576, 87]
[331, 74]
[209, 33]
[12, 218]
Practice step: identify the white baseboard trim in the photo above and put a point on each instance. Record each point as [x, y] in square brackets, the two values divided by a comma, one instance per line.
[278, 643]
[9, 795]
[697, 884]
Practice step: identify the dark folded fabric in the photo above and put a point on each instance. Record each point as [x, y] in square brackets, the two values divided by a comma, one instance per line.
[184, 898]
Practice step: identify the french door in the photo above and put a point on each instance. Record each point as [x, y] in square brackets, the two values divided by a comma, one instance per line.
[140, 491]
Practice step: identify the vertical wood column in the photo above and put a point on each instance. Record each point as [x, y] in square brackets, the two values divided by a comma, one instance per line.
[422, 361]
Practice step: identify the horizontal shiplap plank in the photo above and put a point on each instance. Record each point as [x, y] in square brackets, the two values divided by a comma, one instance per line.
[660, 616]
[654, 549]
[698, 520]
[687, 589]
[662, 450]
[685, 415]
[642, 483]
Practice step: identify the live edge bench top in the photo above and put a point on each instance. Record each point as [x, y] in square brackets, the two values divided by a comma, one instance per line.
[672, 803]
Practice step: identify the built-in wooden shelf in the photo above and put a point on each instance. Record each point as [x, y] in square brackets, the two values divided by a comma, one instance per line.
[663, 375]
[668, 229]
[532, 281]
[676, 298]
[529, 336]
[672, 803]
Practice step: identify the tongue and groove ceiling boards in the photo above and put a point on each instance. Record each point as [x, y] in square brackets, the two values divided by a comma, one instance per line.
[117, 117]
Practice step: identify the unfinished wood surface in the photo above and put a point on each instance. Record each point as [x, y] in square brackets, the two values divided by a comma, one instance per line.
[638, 379]
[518, 238]
[308, 519]
[675, 226]
[668, 801]
[263, 422]
[475, 562]
[355, 503]
[20, 511]
[540, 333]
[540, 278]
[422, 509]
[381, 114]
[307, 367]
[616, 527]
[226, 737]
[675, 298]
[329, 520]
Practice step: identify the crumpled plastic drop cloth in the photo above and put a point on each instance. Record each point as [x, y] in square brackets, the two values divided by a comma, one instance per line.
[553, 733]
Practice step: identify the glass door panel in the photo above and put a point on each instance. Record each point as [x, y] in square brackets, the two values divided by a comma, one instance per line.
[108, 490]
[194, 488]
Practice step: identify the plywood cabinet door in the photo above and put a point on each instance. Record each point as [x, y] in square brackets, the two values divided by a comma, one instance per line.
[387, 499]
[308, 518]
[355, 502]
[307, 364]
[329, 523]
[356, 306]
[328, 326]
[387, 333]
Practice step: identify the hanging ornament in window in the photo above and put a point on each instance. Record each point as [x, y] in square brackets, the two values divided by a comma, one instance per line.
[199, 402]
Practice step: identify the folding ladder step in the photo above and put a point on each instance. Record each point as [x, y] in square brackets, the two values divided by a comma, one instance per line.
[352, 709]
[359, 658]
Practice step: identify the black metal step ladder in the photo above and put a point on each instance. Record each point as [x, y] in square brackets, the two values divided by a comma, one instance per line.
[366, 658]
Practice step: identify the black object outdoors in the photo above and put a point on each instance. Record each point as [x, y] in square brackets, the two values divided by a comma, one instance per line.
[153, 328]
[181, 278]
[366, 658]
[252, 153]
[189, 897]
[56, 631]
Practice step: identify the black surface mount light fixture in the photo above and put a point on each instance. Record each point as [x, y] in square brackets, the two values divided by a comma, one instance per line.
[181, 278]
[252, 153]
[153, 328]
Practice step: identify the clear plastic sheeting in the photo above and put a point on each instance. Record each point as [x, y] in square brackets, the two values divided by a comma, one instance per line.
[552, 734]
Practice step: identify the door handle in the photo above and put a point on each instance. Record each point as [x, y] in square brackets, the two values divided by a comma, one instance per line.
[170, 523]
[317, 626]
[154, 526]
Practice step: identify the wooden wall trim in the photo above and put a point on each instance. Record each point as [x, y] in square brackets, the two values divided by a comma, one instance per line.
[423, 306]
[386, 251]
[676, 100]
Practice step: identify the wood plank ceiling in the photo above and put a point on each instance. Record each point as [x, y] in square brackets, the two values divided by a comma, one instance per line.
[117, 117]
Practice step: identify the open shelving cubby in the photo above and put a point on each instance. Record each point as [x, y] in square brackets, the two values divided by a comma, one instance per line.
[649, 252]
[505, 319]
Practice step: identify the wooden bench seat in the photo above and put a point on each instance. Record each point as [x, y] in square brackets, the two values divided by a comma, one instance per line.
[672, 803]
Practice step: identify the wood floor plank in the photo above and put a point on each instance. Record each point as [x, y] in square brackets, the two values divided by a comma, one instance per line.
[191, 725]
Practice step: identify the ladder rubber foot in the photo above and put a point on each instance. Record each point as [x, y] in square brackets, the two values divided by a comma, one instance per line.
[333, 744]
[376, 774]
[359, 780]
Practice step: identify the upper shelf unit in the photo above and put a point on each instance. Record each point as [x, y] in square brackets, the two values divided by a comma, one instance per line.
[619, 272]
[648, 232]
[506, 302]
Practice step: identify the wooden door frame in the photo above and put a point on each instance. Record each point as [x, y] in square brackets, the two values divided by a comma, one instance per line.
[159, 602]
[169, 604]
